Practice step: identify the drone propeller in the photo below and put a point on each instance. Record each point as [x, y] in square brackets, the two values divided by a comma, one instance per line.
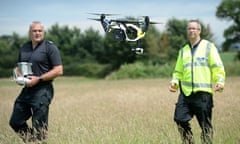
[103, 14]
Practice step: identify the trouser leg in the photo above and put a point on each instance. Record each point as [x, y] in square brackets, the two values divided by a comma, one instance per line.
[185, 132]
[21, 113]
[40, 112]
[204, 117]
[182, 116]
[206, 126]
[207, 136]
[40, 122]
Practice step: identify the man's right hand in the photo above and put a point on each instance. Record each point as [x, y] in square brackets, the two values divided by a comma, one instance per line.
[173, 87]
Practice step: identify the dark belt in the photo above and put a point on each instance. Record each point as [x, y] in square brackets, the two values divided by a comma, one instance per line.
[43, 83]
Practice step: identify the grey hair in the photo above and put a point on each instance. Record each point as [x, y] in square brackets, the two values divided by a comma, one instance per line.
[196, 21]
[33, 23]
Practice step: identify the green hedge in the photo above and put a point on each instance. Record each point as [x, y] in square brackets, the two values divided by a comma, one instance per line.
[87, 70]
[140, 70]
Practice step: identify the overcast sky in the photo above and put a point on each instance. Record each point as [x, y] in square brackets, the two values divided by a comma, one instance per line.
[16, 15]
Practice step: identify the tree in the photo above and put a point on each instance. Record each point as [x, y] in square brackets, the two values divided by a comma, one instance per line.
[151, 45]
[9, 46]
[176, 33]
[80, 51]
[230, 10]
[92, 42]
[116, 52]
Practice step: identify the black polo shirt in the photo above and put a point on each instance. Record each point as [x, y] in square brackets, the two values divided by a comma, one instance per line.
[193, 49]
[43, 57]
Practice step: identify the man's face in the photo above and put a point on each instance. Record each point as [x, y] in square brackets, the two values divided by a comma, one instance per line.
[37, 33]
[193, 31]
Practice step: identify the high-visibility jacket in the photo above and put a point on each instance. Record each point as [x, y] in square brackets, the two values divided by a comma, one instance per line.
[200, 70]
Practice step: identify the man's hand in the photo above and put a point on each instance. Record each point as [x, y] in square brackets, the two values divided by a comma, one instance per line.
[173, 87]
[33, 81]
[218, 87]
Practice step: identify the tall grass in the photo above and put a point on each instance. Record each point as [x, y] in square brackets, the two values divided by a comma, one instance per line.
[121, 112]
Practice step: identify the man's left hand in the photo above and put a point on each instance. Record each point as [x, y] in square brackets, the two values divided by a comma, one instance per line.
[218, 87]
[33, 82]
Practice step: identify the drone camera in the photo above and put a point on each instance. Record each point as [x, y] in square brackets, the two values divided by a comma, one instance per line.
[138, 50]
[119, 35]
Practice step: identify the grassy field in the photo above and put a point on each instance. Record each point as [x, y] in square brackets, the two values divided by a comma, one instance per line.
[121, 112]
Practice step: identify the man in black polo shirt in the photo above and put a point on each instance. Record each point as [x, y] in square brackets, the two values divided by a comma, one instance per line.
[36, 96]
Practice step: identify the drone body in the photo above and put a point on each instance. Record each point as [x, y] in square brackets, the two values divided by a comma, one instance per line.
[130, 30]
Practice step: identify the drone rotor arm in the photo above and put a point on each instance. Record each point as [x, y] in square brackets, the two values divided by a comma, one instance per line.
[125, 21]
[95, 19]
[151, 22]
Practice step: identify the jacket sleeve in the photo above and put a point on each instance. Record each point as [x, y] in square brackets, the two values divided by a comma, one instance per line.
[216, 66]
[178, 71]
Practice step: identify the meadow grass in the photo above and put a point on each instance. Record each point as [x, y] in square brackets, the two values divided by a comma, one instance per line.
[86, 111]
[228, 57]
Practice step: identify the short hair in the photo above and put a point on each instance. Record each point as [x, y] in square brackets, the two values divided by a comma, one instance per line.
[35, 22]
[196, 21]
[30, 27]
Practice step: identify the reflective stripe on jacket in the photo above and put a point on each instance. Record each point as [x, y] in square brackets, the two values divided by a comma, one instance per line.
[198, 71]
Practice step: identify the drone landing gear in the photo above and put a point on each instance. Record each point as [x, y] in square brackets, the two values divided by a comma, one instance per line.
[138, 50]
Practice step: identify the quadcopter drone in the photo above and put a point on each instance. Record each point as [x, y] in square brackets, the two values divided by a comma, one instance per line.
[130, 30]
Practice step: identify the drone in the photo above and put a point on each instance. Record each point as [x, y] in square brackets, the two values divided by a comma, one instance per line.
[130, 30]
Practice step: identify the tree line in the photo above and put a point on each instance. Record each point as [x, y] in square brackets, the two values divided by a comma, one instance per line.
[88, 53]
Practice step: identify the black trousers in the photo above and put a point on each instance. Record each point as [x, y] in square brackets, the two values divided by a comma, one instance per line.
[198, 104]
[32, 102]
